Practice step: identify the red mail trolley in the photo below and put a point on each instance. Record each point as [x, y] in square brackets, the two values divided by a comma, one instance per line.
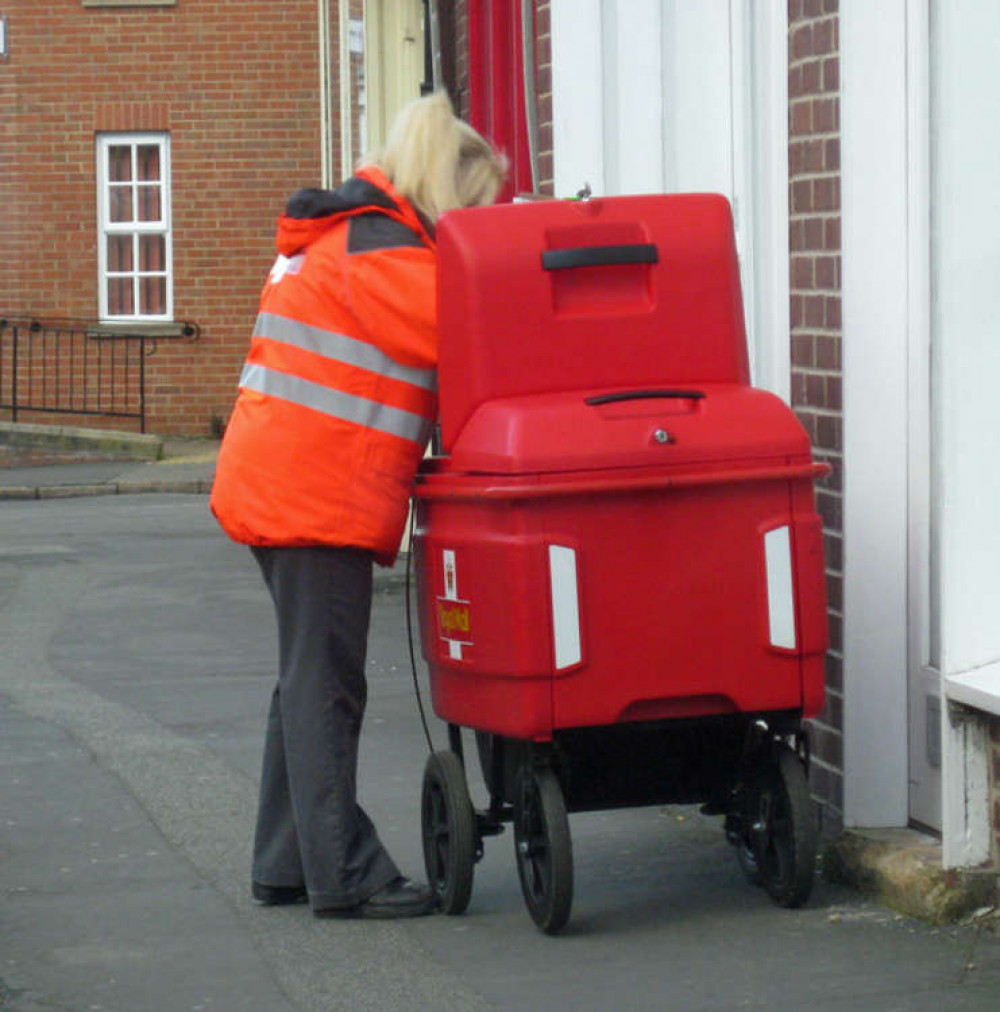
[620, 576]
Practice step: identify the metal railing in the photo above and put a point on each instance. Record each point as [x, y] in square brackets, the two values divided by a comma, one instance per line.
[73, 367]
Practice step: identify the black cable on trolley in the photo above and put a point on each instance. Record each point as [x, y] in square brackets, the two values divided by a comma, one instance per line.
[409, 636]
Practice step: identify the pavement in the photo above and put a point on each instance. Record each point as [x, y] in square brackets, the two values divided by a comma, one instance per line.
[47, 462]
[899, 869]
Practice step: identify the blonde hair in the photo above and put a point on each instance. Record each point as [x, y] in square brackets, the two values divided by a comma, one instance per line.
[437, 161]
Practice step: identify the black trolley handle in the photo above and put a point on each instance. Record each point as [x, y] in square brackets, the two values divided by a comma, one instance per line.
[599, 256]
[645, 395]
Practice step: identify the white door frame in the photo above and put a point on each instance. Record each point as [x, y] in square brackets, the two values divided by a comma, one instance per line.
[890, 424]
[924, 675]
[877, 309]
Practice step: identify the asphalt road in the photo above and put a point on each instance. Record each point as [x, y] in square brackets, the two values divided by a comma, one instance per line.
[136, 659]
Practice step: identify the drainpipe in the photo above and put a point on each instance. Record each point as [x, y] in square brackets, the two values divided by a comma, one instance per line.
[325, 152]
[530, 90]
[346, 122]
[437, 79]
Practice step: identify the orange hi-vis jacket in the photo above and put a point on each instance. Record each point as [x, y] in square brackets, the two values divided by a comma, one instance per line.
[339, 391]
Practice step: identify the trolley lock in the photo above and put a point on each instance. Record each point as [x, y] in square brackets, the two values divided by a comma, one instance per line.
[600, 256]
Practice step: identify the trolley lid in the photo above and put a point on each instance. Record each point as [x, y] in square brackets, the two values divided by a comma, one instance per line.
[661, 428]
[608, 294]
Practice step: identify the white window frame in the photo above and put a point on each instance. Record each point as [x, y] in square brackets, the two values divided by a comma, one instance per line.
[106, 228]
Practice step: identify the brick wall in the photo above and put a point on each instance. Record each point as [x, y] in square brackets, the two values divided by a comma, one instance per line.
[814, 181]
[10, 183]
[543, 82]
[235, 84]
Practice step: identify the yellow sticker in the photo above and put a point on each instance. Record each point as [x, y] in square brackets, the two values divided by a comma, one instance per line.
[454, 619]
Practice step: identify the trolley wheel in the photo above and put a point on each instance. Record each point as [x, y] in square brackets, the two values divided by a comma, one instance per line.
[449, 831]
[782, 832]
[544, 849]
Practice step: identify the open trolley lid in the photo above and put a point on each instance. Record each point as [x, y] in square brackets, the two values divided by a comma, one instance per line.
[610, 294]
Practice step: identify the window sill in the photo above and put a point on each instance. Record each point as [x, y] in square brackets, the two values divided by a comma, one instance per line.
[979, 688]
[157, 329]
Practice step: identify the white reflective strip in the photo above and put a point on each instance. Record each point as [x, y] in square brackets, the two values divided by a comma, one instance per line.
[565, 606]
[341, 348]
[450, 575]
[336, 403]
[780, 590]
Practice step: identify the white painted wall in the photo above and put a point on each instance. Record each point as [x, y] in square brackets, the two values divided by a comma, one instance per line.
[966, 322]
[966, 369]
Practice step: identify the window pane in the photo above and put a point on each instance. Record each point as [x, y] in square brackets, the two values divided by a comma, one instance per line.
[152, 253]
[149, 162]
[153, 295]
[120, 302]
[149, 203]
[119, 253]
[120, 203]
[120, 163]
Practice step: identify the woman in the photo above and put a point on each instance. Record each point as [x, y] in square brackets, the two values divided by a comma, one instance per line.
[336, 402]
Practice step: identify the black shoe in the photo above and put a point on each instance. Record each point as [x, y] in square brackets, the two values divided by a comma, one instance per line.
[277, 896]
[400, 898]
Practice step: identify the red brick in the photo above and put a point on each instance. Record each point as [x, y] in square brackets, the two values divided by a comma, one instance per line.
[801, 117]
[797, 311]
[824, 36]
[828, 435]
[795, 89]
[802, 42]
[811, 77]
[803, 350]
[814, 237]
[815, 389]
[826, 272]
[802, 273]
[802, 196]
[814, 308]
[826, 194]
[828, 353]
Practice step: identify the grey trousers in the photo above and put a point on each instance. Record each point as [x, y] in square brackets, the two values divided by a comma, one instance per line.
[311, 830]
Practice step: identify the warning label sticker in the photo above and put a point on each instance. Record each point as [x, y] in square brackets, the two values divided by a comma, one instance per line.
[454, 616]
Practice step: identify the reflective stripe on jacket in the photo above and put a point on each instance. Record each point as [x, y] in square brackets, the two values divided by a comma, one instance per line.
[338, 393]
